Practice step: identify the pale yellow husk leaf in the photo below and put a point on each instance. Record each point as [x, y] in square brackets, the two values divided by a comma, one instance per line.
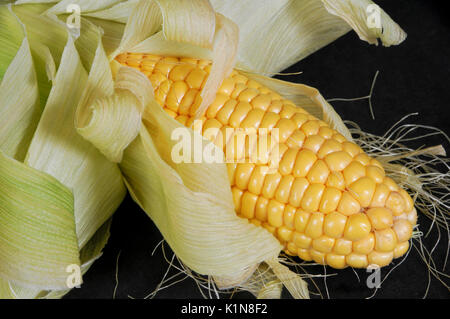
[58, 150]
[275, 34]
[118, 12]
[113, 122]
[363, 16]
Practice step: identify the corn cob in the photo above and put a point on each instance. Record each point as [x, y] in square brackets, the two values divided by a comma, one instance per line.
[327, 202]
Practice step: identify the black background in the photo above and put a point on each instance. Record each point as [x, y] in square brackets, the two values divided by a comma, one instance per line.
[414, 77]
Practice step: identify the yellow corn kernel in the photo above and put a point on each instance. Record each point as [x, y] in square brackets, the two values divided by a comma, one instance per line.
[328, 147]
[380, 258]
[348, 205]
[403, 229]
[375, 173]
[285, 129]
[275, 211]
[288, 161]
[389, 182]
[313, 143]
[256, 180]
[301, 240]
[326, 132]
[396, 203]
[363, 190]
[237, 195]
[288, 111]
[330, 200]
[298, 189]
[338, 161]
[248, 205]
[401, 249]
[271, 184]
[351, 148]
[284, 234]
[311, 128]
[318, 173]
[334, 224]
[261, 209]
[292, 249]
[323, 244]
[296, 139]
[408, 201]
[358, 226]
[284, 189]
[303, 163]
[315, 225]
[300, 119]
[336, 261]
[301, 219]
[231, 169]
[195, 78]
[288, 216]
[357, 260]
[180, 72]
[269, 120]
[239, 113]
[343, 246]
[362, 158]
[176, 94]
[380, 195]
[354, 171]
[380, 218]
[311, 198]
[336, 179]
[385, 239]
[243, 174]
[317, 256]
[304, 254]
[365, 245]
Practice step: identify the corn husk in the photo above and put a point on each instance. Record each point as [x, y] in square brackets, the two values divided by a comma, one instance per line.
[277, 34]
[55, 210]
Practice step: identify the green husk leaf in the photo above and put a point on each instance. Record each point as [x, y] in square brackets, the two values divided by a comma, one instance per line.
[11, 37]
[19, 104]
[37, 229]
